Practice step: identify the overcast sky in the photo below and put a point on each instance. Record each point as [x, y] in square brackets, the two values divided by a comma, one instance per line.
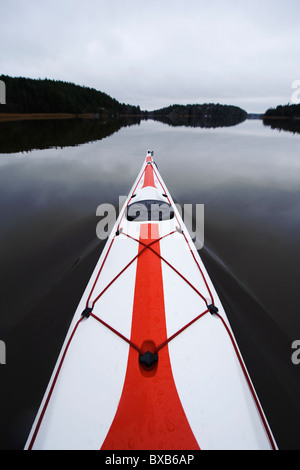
[154, 53]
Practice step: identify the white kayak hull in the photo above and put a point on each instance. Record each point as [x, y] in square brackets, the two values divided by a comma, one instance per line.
[150, 298]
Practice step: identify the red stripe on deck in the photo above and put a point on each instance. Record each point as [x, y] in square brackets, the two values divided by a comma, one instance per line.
[150, 415]
[149, 177]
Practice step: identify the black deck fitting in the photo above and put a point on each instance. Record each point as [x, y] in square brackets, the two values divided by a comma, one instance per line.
[86, 312]
[148, 359]
[212, 309]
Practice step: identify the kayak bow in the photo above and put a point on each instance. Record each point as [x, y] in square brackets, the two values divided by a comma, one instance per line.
[150, 360]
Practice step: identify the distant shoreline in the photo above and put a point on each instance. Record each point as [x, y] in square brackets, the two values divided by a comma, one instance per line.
[4, 117]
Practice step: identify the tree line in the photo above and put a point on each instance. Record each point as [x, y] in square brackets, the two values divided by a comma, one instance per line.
[26, 95]
[283, 117]
[203, 115]
[284, 111]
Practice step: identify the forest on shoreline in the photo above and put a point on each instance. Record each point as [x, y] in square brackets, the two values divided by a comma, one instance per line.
[44, 96]
[283, 117]
[44, 99]
[200, 115]
[28, 98]
[289, 111]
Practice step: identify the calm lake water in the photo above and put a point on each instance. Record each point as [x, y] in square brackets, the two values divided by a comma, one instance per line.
[54, 175]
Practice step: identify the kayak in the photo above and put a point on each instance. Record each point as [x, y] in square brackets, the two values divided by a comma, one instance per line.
[150, 360]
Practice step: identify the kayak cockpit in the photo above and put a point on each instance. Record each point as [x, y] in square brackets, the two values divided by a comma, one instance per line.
[149, 210]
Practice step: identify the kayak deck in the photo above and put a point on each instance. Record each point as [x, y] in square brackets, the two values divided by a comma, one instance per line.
[150, 361]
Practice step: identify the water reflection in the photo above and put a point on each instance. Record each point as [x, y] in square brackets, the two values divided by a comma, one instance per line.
[247, 177]
[288, 125]
[24, 136]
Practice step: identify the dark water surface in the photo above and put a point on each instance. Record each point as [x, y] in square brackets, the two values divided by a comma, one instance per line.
[248, 178]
